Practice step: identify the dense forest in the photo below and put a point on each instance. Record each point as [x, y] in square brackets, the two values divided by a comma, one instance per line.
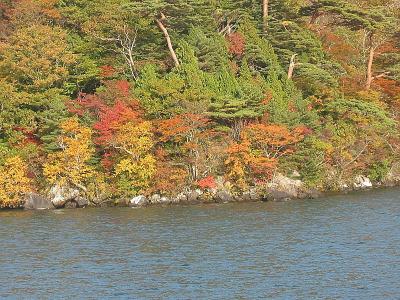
[119, 98]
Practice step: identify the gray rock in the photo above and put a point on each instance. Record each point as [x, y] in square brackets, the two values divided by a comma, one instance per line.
[35, 201]
[251, 195]
[223, 196]
[154, 199]
[181, 198]
[138, 201]
[283, 187]
[61, 195]
[278, 195]
[81, 202]
[362, 182]
[165, 200]
[193, 197]
[71, 204]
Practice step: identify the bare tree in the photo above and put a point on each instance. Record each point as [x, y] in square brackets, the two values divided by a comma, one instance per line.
[265, 10]
[124, 43]
[167, 38]
[292, 66]
[371, 43]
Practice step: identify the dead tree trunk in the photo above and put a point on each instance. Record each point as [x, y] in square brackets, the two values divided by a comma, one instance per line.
[370, 63]
[168, 39]
[265, 10]
[292, 65]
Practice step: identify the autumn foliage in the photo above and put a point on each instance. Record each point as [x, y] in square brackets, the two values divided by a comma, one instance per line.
[89, 98]
[70, 164]
[14, 182]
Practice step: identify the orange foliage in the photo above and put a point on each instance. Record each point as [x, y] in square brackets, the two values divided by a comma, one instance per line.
[274, 140]
[168, 178]
[107, 71]
[181, 128]
[237, 44]
[34, 10]
[207, 183]
[257, 155]
[237, 163]
[338, 48]
[389, 87]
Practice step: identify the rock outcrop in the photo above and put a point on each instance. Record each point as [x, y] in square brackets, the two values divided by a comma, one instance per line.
[64, 197]
[362, 182]
[35, 201]
[138, 201]
[284, 188]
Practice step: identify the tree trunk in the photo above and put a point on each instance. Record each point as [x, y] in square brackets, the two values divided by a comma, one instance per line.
[370, 63]
[265, 15]
[168, 39]
[292, 65]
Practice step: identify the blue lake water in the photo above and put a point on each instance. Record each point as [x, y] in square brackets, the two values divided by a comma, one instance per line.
[338, 247]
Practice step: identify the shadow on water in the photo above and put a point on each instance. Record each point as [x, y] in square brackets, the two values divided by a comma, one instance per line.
[336, 247]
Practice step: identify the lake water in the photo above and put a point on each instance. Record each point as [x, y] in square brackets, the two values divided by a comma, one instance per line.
[339, 247]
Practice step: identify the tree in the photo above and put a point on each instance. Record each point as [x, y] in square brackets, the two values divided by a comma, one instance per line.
[14, 182]
[189, 135]
[70, 164]
[136, 166]
[265, 5]
[36, 58]
[376, 22]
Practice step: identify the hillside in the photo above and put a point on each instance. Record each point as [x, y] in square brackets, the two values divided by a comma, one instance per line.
[120, 98]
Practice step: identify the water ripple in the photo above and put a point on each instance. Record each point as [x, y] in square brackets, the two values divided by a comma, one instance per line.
[341, 247]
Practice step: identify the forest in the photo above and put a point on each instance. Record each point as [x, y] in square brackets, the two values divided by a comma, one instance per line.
[120, 98]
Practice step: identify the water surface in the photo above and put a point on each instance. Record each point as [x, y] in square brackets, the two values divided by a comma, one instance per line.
[339, 247]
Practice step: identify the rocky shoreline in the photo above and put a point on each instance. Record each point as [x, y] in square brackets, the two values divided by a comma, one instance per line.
[281, 188]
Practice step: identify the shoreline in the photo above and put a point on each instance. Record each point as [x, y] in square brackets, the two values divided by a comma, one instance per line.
[286, 190]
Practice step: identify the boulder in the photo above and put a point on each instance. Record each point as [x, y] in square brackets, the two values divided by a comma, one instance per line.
[35, 201]
[180, 198]
[81, 202]
[61, 195]
[223, 196]
[283, 188]
[138, 201]
[165, 200]
[250, 196]
[362, 182]
[278, 195]
[71, 204]
[154, 199]
[193, 196]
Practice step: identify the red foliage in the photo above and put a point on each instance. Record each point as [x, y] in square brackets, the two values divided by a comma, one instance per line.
[29, 136]
[302, 131]
[237, 44]
[263, 168]
[207, 183]
[86, 103]
[389, 87]
[112, 107]
[107, 71]
[106, 161]
[111, 118]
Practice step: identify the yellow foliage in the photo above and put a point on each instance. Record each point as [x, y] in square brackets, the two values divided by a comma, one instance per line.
[134, 139]
[14, 182]
[37, 57]
[70, 164]
[138, 165]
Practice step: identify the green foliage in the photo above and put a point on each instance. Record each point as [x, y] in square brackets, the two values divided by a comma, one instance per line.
[378, 171]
